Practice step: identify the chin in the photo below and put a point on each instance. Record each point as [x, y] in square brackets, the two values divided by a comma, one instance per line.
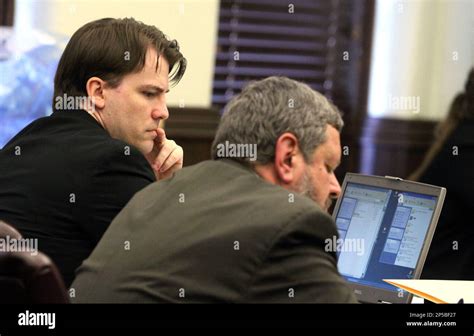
[144, 147]
[150, 145]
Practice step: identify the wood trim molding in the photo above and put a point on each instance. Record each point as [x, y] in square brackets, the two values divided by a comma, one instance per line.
[394, 146]
[192, 123]
[384, 146]
[193, 129]
[7, 10]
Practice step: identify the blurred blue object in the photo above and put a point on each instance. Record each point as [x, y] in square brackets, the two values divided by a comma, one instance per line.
[26, 88]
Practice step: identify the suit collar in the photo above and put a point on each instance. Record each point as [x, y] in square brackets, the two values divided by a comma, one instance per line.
[239, 165]
[80, 115]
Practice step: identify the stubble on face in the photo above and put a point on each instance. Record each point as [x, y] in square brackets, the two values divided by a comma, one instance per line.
[132, 112]
[307, 188]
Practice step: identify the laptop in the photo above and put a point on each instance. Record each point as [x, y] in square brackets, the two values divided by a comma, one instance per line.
[385, 229]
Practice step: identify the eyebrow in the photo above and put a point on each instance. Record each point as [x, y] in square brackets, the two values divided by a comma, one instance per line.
[154, 87]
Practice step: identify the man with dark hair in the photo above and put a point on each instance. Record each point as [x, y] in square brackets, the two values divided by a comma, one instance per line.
[248, 226]
[64, 177]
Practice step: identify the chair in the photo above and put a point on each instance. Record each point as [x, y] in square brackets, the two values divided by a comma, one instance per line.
[7, 230]
[28, 278]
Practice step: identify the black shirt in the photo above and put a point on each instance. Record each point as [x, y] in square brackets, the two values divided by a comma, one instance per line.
[63, 179]
[451, 254]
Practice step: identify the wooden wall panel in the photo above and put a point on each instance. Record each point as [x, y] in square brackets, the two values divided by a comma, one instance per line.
[194, 130]
[383, 147]
[392, 146]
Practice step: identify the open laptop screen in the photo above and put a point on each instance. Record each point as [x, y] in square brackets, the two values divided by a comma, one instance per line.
[384, 228]
[383, 232]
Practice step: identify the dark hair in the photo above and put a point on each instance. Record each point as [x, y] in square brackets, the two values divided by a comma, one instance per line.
[461, 108]
[110, 49]
[468, 97]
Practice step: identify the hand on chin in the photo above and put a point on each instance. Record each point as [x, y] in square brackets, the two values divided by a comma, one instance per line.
[165, 156]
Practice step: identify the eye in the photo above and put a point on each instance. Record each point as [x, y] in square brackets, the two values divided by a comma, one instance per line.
[329, 169]
[149, 94]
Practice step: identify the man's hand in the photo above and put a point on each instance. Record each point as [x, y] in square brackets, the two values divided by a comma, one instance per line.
[166, 156]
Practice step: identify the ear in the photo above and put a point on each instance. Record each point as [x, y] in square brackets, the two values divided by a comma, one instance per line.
[289, 161]
[95, 90]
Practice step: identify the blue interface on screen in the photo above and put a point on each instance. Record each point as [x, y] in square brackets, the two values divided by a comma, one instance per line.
[382, 233]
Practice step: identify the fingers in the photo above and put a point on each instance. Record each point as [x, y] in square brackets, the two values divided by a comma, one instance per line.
[161, 136]
[158, 143]
[168, 173]
[166, 156]
[170, 158]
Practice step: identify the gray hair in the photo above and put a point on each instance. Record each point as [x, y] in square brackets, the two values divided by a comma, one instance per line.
[266, 109]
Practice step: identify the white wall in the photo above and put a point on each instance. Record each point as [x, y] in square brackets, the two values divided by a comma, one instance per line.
[192, 22]
[421, 48]
[422, 52]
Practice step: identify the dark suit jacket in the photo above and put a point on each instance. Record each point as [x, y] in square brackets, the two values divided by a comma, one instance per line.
[63, 179]
[451, 254]
[215, 232]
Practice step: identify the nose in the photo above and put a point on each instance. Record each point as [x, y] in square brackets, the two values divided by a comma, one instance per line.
[160, 112]
[334, 187]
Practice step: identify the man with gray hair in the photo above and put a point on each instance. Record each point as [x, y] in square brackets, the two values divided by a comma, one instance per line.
[295, 131]
[247, 226]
